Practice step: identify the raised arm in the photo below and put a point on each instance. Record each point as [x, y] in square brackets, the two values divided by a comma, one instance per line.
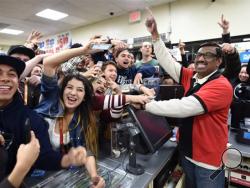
[232, 62]
[181, 46]
[33, 39]
[163, 56]
[32, 63]
[52, 62]
[224, 24]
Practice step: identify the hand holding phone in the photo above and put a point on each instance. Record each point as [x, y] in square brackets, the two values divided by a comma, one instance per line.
[101, 46]
[27, 129]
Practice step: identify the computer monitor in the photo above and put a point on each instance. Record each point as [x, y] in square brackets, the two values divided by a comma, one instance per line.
[154, 130]
[240, 109]
[170, 92]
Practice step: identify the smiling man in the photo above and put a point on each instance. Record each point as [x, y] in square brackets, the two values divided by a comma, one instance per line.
[14, 114]
[125, 73]
[204, 133]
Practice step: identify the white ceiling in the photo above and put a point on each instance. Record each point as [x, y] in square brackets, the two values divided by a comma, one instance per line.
[20, 14]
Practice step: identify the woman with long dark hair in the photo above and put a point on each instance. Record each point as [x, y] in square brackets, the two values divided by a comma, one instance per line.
[69, 109]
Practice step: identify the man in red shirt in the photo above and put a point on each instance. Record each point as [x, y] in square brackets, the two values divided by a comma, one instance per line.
[204, 133]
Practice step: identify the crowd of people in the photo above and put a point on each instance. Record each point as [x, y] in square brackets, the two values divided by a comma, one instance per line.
[67, 95]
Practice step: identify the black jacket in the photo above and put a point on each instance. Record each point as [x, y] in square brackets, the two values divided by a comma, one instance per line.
[12, 120]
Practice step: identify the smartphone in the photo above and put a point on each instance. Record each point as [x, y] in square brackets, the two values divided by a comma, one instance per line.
[101, 46]
[99, 64]
[27, 128]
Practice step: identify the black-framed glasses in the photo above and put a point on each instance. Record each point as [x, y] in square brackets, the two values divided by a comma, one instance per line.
[208, 56]
[8, 139]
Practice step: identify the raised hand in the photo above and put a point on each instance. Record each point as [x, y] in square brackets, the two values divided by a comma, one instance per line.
[138, 78]
[181, 46]
[34, 37]
[97, 39]
[114, 86]
[151, 25]
[91, 73]
[224, 24]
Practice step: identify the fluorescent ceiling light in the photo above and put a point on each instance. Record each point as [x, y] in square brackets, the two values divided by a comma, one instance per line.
[52, 14]
[11, 31]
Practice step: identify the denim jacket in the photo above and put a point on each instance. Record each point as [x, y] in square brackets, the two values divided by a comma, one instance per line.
[51, 107]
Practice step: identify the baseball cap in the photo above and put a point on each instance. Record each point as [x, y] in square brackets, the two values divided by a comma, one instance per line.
[21, 49]
[17, 64]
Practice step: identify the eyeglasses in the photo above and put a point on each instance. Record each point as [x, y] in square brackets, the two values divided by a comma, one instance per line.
[8, 139]
[208, 56]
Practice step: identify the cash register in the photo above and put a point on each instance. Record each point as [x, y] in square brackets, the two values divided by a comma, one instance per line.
[240, 111]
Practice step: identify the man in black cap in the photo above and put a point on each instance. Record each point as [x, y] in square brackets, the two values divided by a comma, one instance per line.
[33, 83]
[21, 52]
[14, 114]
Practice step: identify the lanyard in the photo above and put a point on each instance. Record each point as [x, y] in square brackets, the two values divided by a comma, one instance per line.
[61, 135]
[26, 91]
[61, 132]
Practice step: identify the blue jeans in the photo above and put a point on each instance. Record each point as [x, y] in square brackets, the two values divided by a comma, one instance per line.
[198, 177]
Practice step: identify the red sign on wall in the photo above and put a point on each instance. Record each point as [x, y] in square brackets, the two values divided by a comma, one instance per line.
[135, 16]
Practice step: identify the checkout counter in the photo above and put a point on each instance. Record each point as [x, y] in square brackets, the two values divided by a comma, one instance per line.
[158, 167]
[158, 163]
[241, 175]
[243, 148]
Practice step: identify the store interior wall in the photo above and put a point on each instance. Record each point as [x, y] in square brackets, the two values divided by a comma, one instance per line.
[189, 20]
[3, 48]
